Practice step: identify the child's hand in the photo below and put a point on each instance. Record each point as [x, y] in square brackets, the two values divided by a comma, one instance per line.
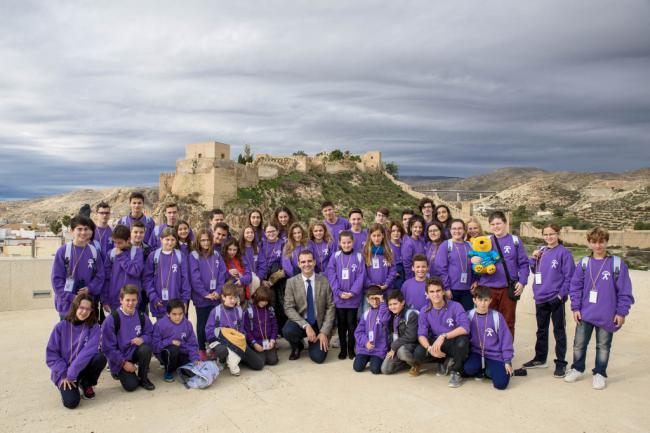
[129, 367]
[67, 384]
[159, 304]
[83, 290]
[536, 253]
[258, 348]
[518, 289]
[509, 369]
[448, 294]
[234, 273]
[137, 341]
[369, 345]
[271, 344]
[390, 354]
[578, 317]
[473, 287]
[619, 320]
[476, 260]
[107, 308]
[176, 343]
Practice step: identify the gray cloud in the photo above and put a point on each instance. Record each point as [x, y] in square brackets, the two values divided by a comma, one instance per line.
[109, 95]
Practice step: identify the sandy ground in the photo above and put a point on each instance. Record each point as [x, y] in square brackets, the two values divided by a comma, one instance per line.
[299, 396]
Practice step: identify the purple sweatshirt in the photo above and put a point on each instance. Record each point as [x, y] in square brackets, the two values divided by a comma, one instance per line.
[103, 236]
[556, 267]
[434, 322]
[373, 326]
[353, 265]
[121, 269]
[290, 262]
[164, 331]
[70, 348]
[203, 270]
[414, 294]
[614, 295]
[359, 239]
[149, 225]
[516, 260]
[411, 247]
[497, 345]
[380, 272]
[272, 254]
[451, 265]
[431, 250]
[397, 252]
[118, 348]
[337, 227]
[155, 236]
[257, 262]
[86, 271]
[225, 317]
[169, 274]
[322, 253]
[262, 324]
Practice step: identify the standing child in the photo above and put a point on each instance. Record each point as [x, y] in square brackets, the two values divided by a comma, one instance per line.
[455, 267]
[207, 276]
[256, 221]
[220, 234]
[254, 256]
[283, 219]
[321, 245]
[412, 244]
[601, 297]
[263, 327]
[346, 273]
[173, 341]
[491, 342]
[381, 216]
[184, 234]
[396, 233]
[335, 224]
[165, 275]
[296, 243]
[275, 279]
[407, 214]
[434, 238]
[136, 205]
[124, 265]
[378, 258]
[371, 334]
[126, 342]
[171, 220]
[402, 337]
[137, 240]
[238, 270]
[552, 266]
[443, 216]
[73, 352]
[427, 207]
[414, 289]
[355, 216]
[103, 231]
[474, 228]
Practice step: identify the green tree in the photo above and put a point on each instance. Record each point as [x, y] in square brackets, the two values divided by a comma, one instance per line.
[55, 227]
[558, 212]
[299, 153]
[391, 168]
[65, 220]
[542, 206]
[336, 155]
[247, 156]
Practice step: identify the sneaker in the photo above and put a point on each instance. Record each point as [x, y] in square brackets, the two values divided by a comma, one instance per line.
[560, 371]
[161, 366]
[535, 364]
[414, 371]
[234, 370]
[343, 354]
[146, 384]
[454, 380]
[88, 393]
[169, 376]
[573, 375]
[335, 343]
[441, 370]
[203, 355]
[599, 381]
[479, 376]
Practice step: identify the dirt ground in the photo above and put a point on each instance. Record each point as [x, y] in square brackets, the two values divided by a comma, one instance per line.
[299, 396]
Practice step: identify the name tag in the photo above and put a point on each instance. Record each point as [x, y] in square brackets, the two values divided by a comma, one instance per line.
[375, 263]
[395, 336]
[463, 277]
[213, 285]
[371, 335]
[593, 297]
[538, 278]
[69, 285]
[266, 345]
[165, 294]
[345, 274]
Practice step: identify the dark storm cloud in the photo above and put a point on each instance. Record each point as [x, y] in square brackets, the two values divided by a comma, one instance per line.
[109, 95]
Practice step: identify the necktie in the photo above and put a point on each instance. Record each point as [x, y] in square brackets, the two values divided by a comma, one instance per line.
[311, 314]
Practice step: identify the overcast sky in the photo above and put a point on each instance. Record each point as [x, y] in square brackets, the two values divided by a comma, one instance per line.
[108, 94]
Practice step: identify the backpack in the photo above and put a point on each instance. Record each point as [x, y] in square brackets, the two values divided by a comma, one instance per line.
[616, 265]
[117, 321]
[495, 317]
[359, 257]
[198, 376]
[156, 258]
[68, 254]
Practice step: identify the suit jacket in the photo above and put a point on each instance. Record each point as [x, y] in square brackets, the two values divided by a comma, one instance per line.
[295, 302]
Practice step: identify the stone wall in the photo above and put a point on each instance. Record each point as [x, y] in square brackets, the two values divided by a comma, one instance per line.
[25, 284]
[617, 238]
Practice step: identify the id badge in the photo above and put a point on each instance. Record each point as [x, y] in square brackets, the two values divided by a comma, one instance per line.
[593, 297]
[463, 277]
[395, 336]
[213, 285]
[371, 335]
[345, 274]
[375, 263]
[538, 278]
[266, 345]
[69, 285]
[165, 294]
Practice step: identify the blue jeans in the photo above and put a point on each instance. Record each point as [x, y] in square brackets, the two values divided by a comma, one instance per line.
[581, 341]
[360, 362]
[495, 369]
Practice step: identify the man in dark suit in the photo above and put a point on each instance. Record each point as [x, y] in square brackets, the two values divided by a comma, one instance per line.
[309, 308]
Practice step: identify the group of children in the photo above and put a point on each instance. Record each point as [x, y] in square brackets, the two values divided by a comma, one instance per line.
[404, 294]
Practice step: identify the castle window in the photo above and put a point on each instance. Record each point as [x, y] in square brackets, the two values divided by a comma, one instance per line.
[200, 155]
[223, 156]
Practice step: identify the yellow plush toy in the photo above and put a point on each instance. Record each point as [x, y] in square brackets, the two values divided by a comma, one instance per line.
[482, 247]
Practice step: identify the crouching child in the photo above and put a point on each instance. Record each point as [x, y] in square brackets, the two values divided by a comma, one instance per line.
[402, 336]
[371, 334]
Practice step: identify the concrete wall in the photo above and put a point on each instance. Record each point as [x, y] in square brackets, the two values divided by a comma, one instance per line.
[17, 251]
[19, 278]
[47, 247]
[618, 238]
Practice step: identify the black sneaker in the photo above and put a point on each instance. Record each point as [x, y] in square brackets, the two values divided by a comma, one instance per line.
[88, 393]
[535, 364]
[146, 384]
[560, 371]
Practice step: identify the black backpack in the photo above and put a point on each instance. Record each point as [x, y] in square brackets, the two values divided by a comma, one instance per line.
[117, 321]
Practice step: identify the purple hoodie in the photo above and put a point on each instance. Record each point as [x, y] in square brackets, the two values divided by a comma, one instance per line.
[290, 263]
[414, 294]
[226, 317]
[125, 268]
[355, 267]
[272, 254]
[339, 225]
[359, 239]
[516, 260]
[164, 331]
[614, 295]
[497, 345]
[103, 236]
[118, 348]
[257, 262]
[373, 323]
[203, 270]
[452, 264]
[70, 349]
[411, 247]
[379, 272]
[431, 250]
[155, 236]
[397, 252]
[149, 225]
[434, 322]
[262, 324]
[322, 253]
[556, 267]
[81, 269]
[167, 272]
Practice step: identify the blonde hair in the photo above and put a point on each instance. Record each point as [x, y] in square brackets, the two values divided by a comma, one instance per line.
[475, 221]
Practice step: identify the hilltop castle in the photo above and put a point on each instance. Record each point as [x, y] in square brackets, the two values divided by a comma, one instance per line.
[209, 175]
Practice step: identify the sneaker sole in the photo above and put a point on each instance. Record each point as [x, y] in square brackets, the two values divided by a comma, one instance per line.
[535, 366]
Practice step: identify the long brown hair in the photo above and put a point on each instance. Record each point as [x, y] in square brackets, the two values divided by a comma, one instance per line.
[367, 249]
[196, 245]
[71, 317]
[291, 245]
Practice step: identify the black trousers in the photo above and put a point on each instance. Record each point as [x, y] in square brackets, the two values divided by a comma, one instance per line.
[202, 316]
[346, 319]
[294, 335]
[172, 358]
[360, 362]
[278, 302]
[87, 377]
[545, 312]
[455, 348]
[254, 360]
[142, 357]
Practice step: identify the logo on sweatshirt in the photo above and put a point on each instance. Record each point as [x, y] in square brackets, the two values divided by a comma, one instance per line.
[326, 250]
[138, 329]
[605, 275]
[354, 267]
[174, 268]
[183, 335]
[385, 263]
[554, 264]
[277, 253]
[506, 249]
[489, 331]
[450, 322]
[90, 263]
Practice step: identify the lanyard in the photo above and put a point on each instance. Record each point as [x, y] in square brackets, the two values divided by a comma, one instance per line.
[169, 274]
[74, 267]
[266, 322]
[101, 233]
[349, 260]
[73, 354]
[231, 323]
[211, 264]
[595, 280]
[435, 250]
[463, 263]
[481, 342]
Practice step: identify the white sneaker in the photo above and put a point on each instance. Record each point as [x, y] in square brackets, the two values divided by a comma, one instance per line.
[573, 375]
[232, 361]
[599, 381]
[335, 343]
